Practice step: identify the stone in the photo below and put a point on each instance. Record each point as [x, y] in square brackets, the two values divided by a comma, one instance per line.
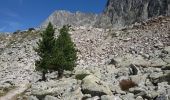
[155, 77]
[133, 69]
[108, 97]
[94, 98]
[116, 89]
[128, 96]
[32, 98]
[139, 98]
[163, 88]
[54, 87]
[73, 95]
[162, 97]
[167, 49]
[167, 59]
[48, 97]
[139, 79]
[94, 86]
[129, 59]
[158, 63]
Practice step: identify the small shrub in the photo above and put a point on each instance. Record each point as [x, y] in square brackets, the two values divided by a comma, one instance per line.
[31, 29]
[16, 32]
[81, 76]
[125, 85]
[165, 78]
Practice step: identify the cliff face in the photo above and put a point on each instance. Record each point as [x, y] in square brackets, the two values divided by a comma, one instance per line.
[126, 12]
[118, 13]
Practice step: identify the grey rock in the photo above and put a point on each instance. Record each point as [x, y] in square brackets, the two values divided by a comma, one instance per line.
[133, 69]
[139, 98]
[167, 59]
[155, 77]
[94, 98]
[48, 97]
[162, 97]
[139, 79]
[94, 86]
[128, 96]
[63, 88]
[163, 88]
[126, 12]
[167, 49]
[158, 63]
[110, 97]
[32, 98]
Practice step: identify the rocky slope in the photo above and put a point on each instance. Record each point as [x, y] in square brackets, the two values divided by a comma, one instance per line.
[139, 53]
[125, 12]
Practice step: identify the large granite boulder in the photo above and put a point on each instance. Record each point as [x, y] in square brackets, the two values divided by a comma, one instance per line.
[94, 86]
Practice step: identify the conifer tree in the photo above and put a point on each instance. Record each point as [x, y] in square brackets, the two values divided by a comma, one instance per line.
[46, 46]
[65, 52]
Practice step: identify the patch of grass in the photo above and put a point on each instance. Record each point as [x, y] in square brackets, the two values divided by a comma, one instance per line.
[81, 76]
[125, 85]
[5, 90]
[165, 78]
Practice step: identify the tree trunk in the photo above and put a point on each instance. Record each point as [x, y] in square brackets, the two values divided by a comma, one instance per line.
[60, 73]
[43, 76]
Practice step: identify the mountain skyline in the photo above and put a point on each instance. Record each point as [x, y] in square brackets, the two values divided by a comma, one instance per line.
[24, 14]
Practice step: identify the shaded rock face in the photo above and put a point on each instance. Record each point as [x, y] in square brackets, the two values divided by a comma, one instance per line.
[126, 12]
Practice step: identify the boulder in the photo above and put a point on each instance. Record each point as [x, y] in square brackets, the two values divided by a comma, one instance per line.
[93, 98]
[116, 89]
[139, 98]
[108, 97]
[133, 69]
[167, 49]
[157, 62]
[32, 98]
[48, 97]
[139, 79]
[155, 77]
[54, 87]
[129, 59]
[162, 97]
[94, 86]
[167, 59]
[128, 96]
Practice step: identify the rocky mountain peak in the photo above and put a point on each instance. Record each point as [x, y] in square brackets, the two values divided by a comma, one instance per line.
[126, 12]
[62, 17]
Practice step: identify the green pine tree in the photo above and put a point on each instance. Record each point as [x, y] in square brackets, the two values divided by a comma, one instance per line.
[46, 46]
[65, 52]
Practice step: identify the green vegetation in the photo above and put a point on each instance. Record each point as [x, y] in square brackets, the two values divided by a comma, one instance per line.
[5, 90]
[45, 50]
[81, 76]
[56, 54]
[65, 54]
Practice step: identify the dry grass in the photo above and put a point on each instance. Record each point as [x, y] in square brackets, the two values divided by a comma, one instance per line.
[4, 90]
[125, 85]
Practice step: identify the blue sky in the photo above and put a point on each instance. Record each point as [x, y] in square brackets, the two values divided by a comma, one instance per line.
[23, 14]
